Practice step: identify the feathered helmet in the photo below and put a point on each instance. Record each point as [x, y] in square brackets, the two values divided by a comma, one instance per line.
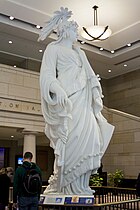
[58, 22]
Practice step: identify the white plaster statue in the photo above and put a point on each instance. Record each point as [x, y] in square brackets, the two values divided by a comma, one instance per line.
[71, 98]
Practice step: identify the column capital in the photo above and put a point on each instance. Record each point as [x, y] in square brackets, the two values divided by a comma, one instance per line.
[29, 132]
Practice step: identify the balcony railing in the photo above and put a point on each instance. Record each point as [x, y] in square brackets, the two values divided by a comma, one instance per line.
[106, 198]
[113, 194]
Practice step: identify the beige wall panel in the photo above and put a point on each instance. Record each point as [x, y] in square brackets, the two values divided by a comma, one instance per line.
[31, 82]
[11, 78]
[4, 89]
[123, 92]
[124, 151]
[137, 137]
[119, 138]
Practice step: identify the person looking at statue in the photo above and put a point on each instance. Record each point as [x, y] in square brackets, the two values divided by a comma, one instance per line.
[10, 173]
[71, 101]
[27, 184]
[4, 189]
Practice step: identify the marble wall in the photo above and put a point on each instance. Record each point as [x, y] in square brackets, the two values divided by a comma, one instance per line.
[123, 151]
[123, 92]
[20, 99]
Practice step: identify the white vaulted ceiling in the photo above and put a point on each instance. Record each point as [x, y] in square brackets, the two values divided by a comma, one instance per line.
[123, 17]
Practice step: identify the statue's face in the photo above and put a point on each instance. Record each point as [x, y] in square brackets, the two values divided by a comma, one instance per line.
[73, 34]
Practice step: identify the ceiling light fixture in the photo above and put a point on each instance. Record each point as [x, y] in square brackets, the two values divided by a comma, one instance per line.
[40, 50]
[95, 32]
[101, 48]
[82, 42]
[37, 26]
[112, 51]
[10, 42]
[125, 65]
[109, 70]
[11, 18]
[129, 45]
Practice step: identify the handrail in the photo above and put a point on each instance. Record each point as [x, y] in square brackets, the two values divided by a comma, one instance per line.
[110, 187]
[117, 202]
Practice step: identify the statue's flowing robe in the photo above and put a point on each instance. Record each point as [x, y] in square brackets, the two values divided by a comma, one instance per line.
[78, 132]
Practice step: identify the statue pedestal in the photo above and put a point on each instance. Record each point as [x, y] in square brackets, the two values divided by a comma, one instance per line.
[58, 199]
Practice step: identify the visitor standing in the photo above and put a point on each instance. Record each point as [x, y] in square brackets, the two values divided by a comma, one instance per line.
[4, 188]
[26, 194]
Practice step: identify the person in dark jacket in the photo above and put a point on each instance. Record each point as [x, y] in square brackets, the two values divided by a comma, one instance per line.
[21, 198]
[138, 186]
[4, 188]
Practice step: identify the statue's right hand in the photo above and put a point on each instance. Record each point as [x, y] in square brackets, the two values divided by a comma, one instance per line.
[61, 97]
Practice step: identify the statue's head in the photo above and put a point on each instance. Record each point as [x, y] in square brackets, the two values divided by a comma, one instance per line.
[68, 29]
[60, 23]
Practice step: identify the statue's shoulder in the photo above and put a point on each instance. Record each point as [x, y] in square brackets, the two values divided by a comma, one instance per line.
[50, 52]
[79, 50]
[52, 48]
[82, 51]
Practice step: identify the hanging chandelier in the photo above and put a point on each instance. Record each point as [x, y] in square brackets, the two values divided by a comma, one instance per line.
[96, 32]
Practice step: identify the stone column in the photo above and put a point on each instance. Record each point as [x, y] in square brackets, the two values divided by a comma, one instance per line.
[29, 144]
